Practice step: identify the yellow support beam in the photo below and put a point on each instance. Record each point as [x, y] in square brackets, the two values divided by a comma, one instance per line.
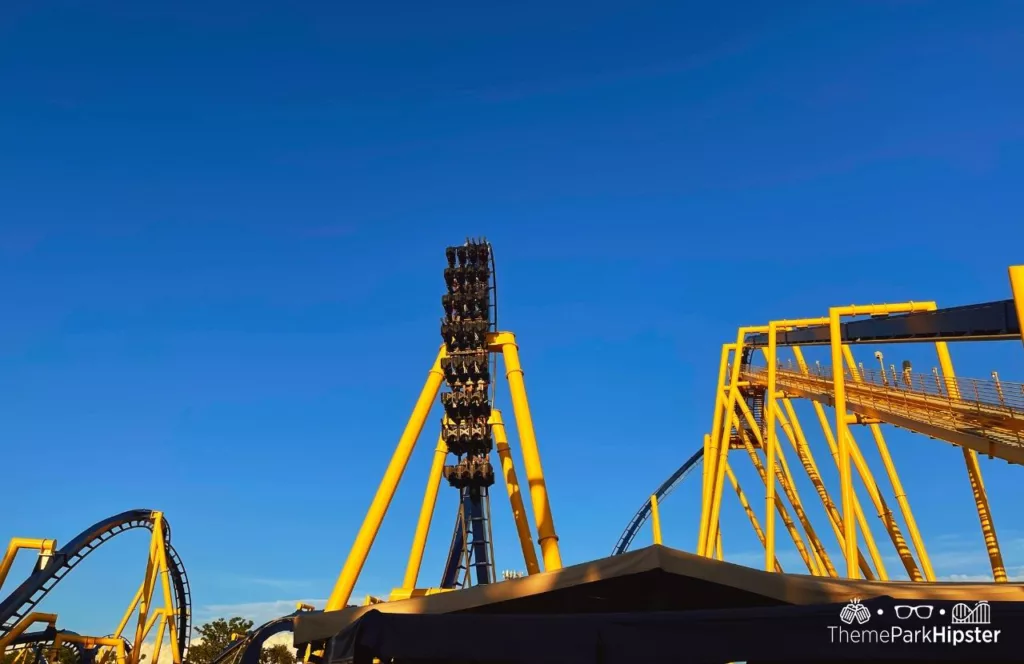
[656, 520]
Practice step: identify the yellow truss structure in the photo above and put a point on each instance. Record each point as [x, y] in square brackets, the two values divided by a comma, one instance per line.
[503, 343]
[149, 608]
[859, 397]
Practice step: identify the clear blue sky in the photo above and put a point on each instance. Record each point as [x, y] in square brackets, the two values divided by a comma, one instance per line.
[222, 231]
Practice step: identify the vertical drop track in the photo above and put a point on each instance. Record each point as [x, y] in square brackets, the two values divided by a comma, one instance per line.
[467, 407]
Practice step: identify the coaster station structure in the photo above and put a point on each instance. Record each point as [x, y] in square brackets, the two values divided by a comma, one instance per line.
[754, 402]
[163, 600]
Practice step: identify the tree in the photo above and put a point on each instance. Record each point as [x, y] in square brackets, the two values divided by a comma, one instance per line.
[279, 654]
[216, 636]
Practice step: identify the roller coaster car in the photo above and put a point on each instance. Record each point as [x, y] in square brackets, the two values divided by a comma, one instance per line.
[467, 306]
[467, 278]
[470, 472]
[466, 404]
[471, 253]
[470, 366]
[465, 336]
[468, 436]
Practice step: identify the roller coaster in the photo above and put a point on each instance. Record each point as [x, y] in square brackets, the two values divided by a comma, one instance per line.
[753, 402]
[164, 572]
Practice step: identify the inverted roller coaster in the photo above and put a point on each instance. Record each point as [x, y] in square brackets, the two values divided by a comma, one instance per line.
[471, 429]
[753, 402]
[165, 579]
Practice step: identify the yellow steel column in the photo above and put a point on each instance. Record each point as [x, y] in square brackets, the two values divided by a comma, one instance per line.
[843, 439]
[718, 545]
[783, 475]
[655, 519]
[881, 507]
[419, 540]
[894, 479]
[165, 584]
[771, 440]
[750, 512]
[713, 450]
[146, 598]
[988, 527]
[843, 418]
[386, 491]
[16, 544]
[158, 644]
[723, 450]
[1017, 286]
[515, 496]
[795, 433]
[779, 505]
[719, 417]
[546, 536]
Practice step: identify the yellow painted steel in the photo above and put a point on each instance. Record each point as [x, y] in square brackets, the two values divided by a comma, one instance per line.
[547, 538]
[711, 442]
[116, 644]
[386, 491]
[515, 496]
[795, 434]
[749, 511]
[150, 613]
[894, 477]
[733, 419]
[771, 439]
[881, 507]
[419, 540]
[843, 419]
[988, 528]
[779, 505]
[45, 547]
[1017, 287]
[497, 342]
[824, 563]
[22, 625]
[656, 521]
[707, 535]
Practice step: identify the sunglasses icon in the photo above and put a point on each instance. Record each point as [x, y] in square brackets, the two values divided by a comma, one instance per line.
[922, 611]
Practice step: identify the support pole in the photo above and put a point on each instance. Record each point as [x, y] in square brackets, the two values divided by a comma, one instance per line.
[881, 507]
[385, 492]
[723, 451]
[655, 519]
[1017, 286]
[749, 511]
[419, 540]
[783, 475]
[779, 504]
[547, 538]
[771, 441]
[515, 496]
[843, 440]
[894, 479]
[712, 446]
[794, 431]
[988, 528]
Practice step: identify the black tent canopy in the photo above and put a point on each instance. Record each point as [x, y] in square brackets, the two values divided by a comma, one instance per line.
[655, 578]
[758, 635]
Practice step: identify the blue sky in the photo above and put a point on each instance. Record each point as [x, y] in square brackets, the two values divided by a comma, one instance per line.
[222, 231]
